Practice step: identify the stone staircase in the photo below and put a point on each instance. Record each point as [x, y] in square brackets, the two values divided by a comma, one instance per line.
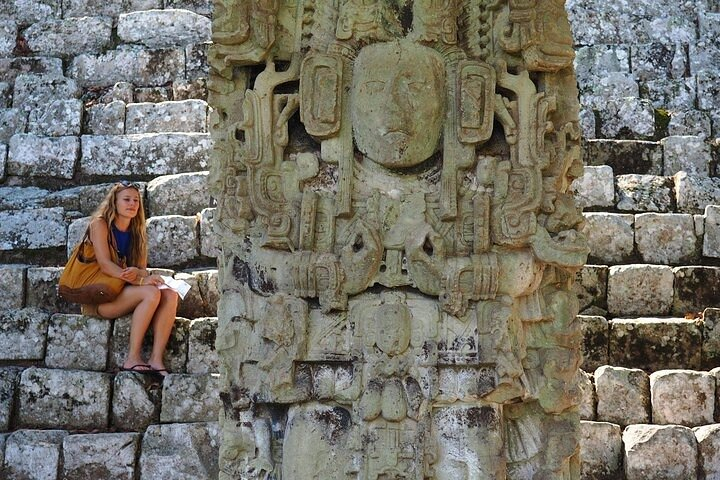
[93, 92]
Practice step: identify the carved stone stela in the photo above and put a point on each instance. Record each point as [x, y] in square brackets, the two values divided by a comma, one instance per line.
[398, 240]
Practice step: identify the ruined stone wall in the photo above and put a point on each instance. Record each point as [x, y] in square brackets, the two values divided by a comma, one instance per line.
[648, 77]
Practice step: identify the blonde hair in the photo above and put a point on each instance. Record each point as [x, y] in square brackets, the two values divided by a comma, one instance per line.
[108, 212]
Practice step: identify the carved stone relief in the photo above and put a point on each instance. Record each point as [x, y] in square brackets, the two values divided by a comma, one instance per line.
[398, 240]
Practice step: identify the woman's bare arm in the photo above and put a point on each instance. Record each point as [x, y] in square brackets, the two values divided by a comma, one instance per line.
[99, 238]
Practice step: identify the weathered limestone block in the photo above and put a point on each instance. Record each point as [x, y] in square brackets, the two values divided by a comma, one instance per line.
[203, 7]
[32, 155]
[42, 290]
[11, 68]
[708, 443]
[32, 228]
[711, 238]
[77, 342]
[595, 347]
[202, 357]
[661, 452]
[9, 379]
[670, 94]
[100, 455]
[20, 198]
[163, 28]
[607, 88]
[595, 188]
[190, 398]
[27, 12]
[24, 334]
[12, 121]
[33, 454]
[175, 353]
[106, 119]
[147, 154]
[135, 402]
[3, 160]
[172, 240]
[688, 154]
[610, 236]
[696, 288]
[711, 338]
[59, 118]
[644, 193]
[35, 91]
[655, 343]
[708, 86]
[588, 123]
[626, 156]
[628, 116]
[623, 395]
[666, 238]
[588, 400]
[180, 194]
[5, 93]
[8, 35]
[12, 286]
[193, 305]
[196, 64]
[121, 92]
[70, 36]
[694, 192]
[70, 399]
[181, 450]
[209, 289]
[682, 397]
[190, 89]
[594, 60]
[135, 65]
[639, 22]
[640, 290]
[208, 238]
[76, 232]
[82, 8]
[152, 94]
[183, 116]
[601, 450]
[3, 438]
[690, 122]
[652, 61]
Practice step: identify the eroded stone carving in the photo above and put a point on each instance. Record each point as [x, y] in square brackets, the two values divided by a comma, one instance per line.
[398, 240]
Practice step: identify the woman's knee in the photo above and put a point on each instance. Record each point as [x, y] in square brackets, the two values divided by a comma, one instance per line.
[151, 294]
[169, 297]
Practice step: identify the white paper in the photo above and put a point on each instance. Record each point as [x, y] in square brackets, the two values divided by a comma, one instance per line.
[179, 286]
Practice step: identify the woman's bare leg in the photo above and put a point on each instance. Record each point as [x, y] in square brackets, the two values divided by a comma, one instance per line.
[142, 301]
[162, 323]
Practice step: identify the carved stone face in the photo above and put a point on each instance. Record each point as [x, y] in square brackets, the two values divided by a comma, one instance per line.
[398, 103]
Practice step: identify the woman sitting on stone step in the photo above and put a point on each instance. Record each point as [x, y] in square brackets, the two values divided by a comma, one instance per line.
[121, 212]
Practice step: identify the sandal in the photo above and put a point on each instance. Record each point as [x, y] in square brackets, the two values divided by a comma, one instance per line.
[139, 368]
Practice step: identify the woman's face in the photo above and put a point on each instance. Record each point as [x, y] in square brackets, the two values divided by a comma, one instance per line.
[127, 202]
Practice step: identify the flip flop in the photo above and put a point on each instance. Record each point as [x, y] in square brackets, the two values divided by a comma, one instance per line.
[139, 368]
[163, 372]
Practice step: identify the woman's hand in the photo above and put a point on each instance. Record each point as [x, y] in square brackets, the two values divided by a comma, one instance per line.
[130, 274]
[153, 280]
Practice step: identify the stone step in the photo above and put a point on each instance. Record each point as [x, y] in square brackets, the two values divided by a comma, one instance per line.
[647, 290]
[657, 238]
[644, 451]
[69, 341]
[28, 286]
[600, 189]
[81, 400]
[173, 450]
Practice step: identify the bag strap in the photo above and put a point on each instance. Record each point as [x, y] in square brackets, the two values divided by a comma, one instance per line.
[111, 243]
